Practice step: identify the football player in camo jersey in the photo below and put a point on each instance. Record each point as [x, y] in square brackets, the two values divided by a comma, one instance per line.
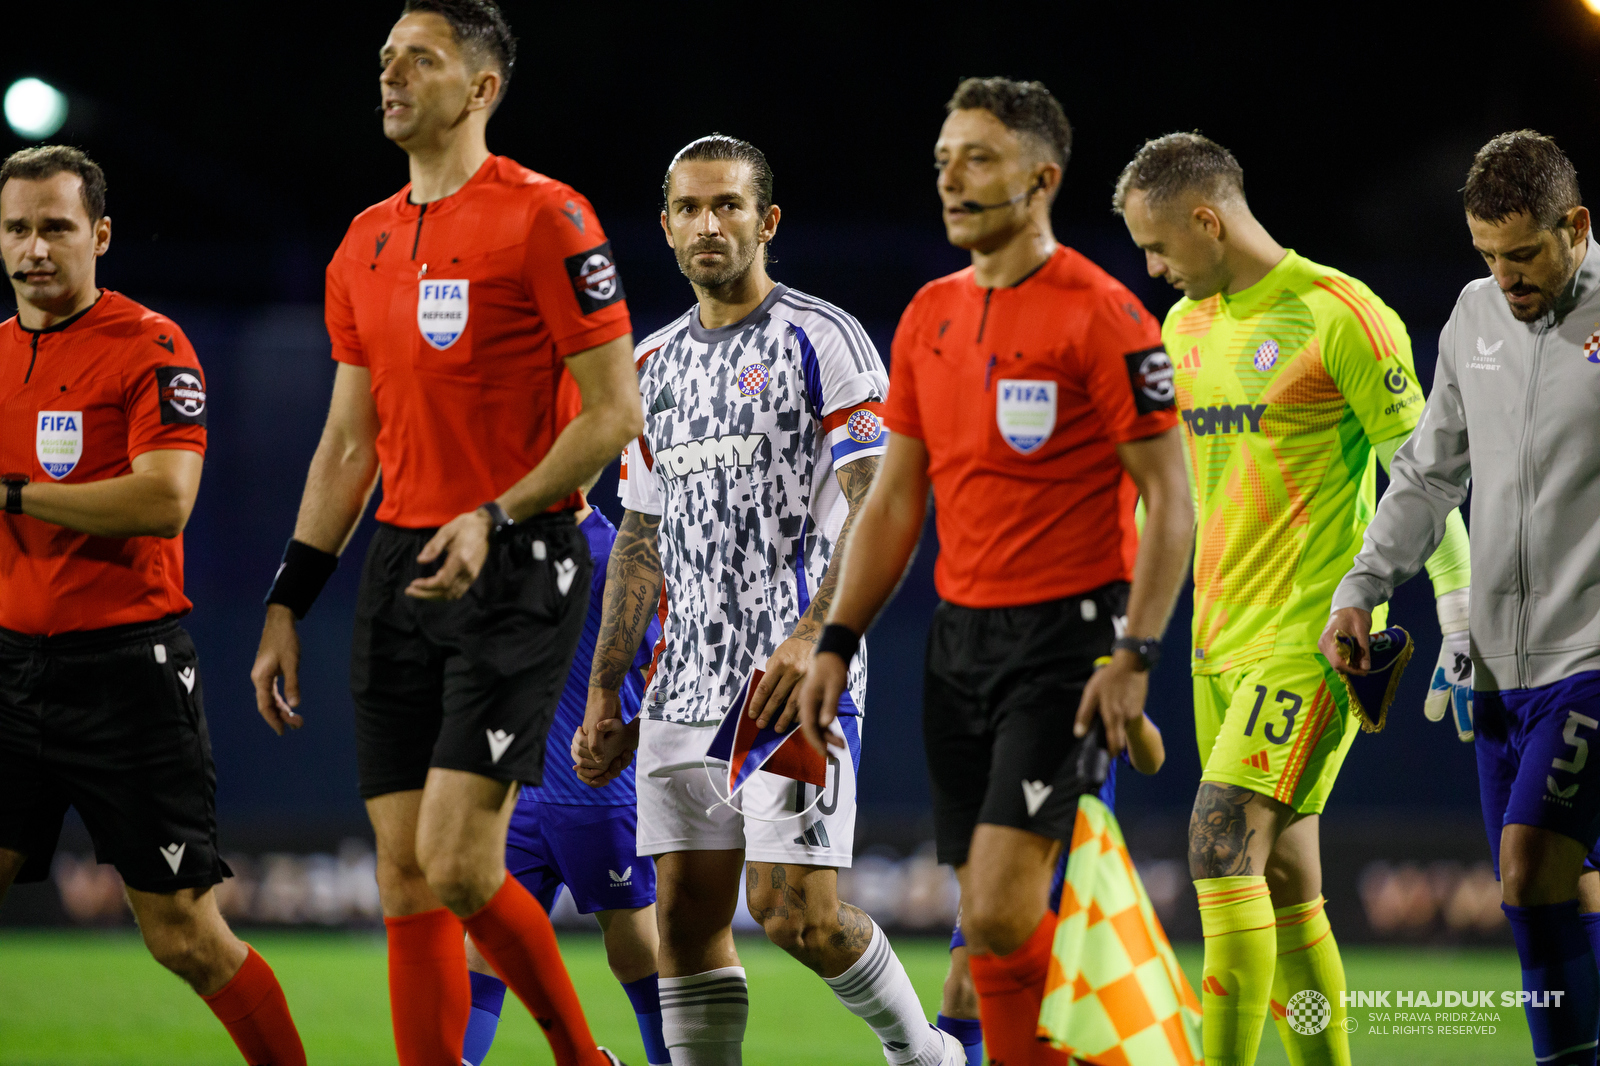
[763, 430]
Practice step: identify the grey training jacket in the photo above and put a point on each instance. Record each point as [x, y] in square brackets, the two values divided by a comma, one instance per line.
[1515, 410]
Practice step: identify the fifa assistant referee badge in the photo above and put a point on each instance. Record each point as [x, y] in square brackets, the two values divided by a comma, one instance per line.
[300, 576]
[840, 640]
[500, 523]
[13, 484]
[1147, 649]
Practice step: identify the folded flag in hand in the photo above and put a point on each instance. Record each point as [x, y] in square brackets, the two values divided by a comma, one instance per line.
[746, 747]
[1371, 696]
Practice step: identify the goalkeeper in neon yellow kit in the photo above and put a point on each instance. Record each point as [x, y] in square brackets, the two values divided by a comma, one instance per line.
[1293, 380]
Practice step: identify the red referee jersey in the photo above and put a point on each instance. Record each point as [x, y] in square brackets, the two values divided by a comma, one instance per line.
[78, 402]
[463, 310]
[1021, 396]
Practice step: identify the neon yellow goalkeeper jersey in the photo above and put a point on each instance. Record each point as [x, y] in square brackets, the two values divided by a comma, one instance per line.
[1284, 389]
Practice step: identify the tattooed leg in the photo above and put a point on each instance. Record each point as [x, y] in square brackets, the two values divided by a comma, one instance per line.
[1232, 831]
[800, 910]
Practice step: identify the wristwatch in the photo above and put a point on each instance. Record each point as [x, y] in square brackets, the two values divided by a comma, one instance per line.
[1148, 649]
[500, 523]
[13, 484]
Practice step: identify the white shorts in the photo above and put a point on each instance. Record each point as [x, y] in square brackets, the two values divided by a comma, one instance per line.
[675, 790]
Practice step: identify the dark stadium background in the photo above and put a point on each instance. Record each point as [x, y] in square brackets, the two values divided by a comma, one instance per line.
[239, 141]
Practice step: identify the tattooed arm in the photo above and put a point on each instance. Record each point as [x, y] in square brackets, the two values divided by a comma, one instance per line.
[855, 479]
[602, 746]
[787, 666]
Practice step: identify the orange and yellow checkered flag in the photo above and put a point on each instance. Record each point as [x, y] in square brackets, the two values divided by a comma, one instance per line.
[1114, 995]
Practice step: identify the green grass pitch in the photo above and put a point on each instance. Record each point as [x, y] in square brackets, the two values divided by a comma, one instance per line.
[96, 999]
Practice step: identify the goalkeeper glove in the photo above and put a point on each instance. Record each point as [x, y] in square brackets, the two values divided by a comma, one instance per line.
[1451, 690]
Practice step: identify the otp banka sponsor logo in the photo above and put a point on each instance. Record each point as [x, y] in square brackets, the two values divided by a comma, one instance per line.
[58, 441]
[442, 311]
[1225, 418]
[692, 457]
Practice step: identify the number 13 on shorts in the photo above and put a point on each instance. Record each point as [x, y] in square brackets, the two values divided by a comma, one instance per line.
[1280, 727]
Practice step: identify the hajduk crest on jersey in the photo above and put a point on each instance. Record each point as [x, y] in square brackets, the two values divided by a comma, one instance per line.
[1266, 355]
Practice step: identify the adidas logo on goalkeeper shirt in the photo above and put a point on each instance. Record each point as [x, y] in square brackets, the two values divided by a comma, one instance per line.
[1258, 761]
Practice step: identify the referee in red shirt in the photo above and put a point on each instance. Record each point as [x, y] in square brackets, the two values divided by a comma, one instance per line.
[102, 435]
[453, 306]
[1031, 393]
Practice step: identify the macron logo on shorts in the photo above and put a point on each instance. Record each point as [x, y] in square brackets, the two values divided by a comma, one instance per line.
[499, 741]
[1034, 793]
[566, 570]
[186, 675]
[173, 853]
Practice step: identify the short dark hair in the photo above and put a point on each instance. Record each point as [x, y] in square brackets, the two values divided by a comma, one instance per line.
[1165, 166]
[720, 148]
[48, 160]
[1522, 172]
[480, 31]
[1026, 108]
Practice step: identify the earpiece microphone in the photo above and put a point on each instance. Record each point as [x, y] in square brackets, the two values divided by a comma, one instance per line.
[19, 276]
[976, 208]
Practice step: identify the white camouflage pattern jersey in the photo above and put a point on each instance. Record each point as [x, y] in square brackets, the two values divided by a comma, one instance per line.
[744, 428]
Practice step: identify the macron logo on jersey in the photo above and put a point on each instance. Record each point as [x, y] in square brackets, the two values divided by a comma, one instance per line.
[692, 457]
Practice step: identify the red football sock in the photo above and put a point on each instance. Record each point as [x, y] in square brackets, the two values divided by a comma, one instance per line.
[514, 934]
[1010, 992]
[252, 1008]
[430, 998]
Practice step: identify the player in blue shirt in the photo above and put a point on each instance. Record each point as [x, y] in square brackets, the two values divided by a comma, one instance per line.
[564, 832]
[958, 1011]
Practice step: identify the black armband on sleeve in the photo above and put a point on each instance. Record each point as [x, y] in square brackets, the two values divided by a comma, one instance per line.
[840, 640]
[300, 577]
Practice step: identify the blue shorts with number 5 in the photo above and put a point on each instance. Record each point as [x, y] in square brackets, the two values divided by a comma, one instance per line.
[1537, 759]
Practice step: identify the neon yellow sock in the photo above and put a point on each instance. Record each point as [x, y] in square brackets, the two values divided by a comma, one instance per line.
[1308, 959]
[1241, 947]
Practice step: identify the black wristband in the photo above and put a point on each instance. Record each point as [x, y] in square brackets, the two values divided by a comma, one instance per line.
[840, 640]
[300, 577]
[14, 483]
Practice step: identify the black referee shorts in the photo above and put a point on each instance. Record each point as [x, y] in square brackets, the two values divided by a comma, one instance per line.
[468, 684]
[109, 721]
[1000, 693]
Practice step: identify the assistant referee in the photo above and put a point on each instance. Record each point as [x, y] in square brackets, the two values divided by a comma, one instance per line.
[453, 306]
[1031, 394]
[102, 435]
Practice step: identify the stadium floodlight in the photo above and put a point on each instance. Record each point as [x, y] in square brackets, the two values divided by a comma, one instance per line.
[1593, 6]
[34, 109]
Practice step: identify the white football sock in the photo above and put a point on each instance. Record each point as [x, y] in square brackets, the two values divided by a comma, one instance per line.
[703, 1016]
[877, 990]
